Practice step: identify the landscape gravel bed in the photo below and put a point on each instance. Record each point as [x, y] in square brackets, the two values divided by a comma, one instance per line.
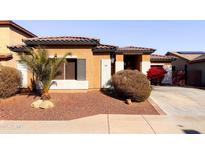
[70, 106]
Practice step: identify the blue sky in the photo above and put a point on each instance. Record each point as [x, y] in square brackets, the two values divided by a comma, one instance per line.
[161, 35]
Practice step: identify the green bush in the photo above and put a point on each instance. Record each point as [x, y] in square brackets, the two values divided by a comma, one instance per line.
[10, 81]
[131, 84]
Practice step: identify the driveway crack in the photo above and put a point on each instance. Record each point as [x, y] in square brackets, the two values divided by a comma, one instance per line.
[108, 123]
[149, 124]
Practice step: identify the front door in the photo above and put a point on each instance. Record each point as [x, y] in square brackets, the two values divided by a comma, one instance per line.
[132, 62]
[105, 72]
[24, 74]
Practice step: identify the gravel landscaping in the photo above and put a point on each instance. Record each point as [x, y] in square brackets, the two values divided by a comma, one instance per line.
[70, 106]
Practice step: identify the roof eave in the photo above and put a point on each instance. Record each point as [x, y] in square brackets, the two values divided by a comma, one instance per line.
[197, 61]
[58, 43]
[161, 60]
[6, 57]
[103, 50]
[13, 24]
[18, 49]
[176, 55]
[135, 52]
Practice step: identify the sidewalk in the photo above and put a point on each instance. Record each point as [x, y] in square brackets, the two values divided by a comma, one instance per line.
[103, 123]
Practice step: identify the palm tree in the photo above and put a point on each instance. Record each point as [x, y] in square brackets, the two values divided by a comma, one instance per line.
[44, 69]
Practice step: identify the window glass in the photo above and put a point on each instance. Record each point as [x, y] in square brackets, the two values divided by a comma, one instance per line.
[70, 69]
[60, 75]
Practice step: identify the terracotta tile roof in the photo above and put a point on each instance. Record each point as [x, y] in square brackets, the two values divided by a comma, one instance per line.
[135, 50]
[61, 40]
[11, 23]
[199, 59]
[5, 56]
[20, 47]
[161, 58]
[104, 47]
[98, 48]
[188, 55]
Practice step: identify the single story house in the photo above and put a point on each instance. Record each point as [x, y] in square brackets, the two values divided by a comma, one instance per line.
[166, 63]
[89, 65]
[191, 62]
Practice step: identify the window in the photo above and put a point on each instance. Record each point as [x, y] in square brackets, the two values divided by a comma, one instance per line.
[72, 69]
[60, 74]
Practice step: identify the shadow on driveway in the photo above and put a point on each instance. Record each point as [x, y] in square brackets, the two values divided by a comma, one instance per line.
[191, 131]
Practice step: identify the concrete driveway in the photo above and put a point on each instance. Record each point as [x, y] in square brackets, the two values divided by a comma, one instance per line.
[179, 100]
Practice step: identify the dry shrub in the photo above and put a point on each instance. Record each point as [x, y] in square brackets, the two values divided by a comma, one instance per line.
[131, 84]
[10, 81]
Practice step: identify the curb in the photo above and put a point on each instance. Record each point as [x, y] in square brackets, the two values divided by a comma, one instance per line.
[159, 110]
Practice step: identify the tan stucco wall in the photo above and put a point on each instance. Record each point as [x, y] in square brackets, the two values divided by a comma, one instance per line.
[15, 38]
[119, 57]
[145, 57]
[10, 36]
[4, 39]
[83, 52]
[93, 61]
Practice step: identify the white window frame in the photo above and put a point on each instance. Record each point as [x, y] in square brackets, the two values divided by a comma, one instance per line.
[68, 84]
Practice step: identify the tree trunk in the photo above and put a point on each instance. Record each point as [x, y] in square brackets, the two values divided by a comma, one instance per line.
[45, 96]
[39, 87]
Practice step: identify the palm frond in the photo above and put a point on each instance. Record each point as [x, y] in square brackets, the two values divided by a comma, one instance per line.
[43, 68]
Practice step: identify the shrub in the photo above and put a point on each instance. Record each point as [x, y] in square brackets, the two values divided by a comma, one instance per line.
[131, 84]
[10, 81]
[156, 75]
[178, 78]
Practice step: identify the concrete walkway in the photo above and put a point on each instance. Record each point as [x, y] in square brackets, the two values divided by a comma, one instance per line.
[103, 123]
[179, 100]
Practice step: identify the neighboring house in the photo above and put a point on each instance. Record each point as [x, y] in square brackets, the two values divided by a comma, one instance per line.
[11, 33]
[198, 65]
[188, 62]
[89, 65]
[164, 62]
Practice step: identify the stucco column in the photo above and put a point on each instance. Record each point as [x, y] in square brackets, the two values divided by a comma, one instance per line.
[119, 63]
[145, 64]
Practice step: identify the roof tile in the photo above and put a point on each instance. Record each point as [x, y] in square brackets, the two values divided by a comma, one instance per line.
[104, 47]
[188, 55]
[161, 58]
[135, 50]
[199, 59]
[64, 40]
[5, 56]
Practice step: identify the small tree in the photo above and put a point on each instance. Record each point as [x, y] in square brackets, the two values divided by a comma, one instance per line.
[43, 68]
[156, 75]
